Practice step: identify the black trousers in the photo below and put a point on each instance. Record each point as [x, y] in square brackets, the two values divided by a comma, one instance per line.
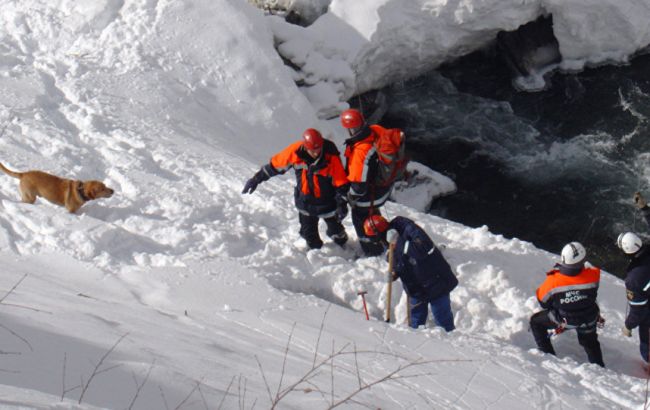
[644, 339]
[540, 323]
[309, 230]
[371, 246]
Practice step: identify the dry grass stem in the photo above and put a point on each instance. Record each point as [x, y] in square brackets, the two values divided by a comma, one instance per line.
[96, 369]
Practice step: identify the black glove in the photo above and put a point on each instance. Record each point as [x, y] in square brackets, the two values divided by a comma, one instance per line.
[250, 186]
[342, 210]
[341, 202]
[252, 183]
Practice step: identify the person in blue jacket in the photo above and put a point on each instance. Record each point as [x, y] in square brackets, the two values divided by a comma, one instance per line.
[637, 281]
[426, 276]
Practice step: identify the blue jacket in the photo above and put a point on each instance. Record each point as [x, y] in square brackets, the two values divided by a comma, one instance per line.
[424, 272]
[637, 286]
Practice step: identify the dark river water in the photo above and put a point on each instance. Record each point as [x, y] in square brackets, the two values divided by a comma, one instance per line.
[547, 167]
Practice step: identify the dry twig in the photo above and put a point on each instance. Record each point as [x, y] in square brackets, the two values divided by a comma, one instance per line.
[64, 391]
[196, 386]
[320, 332]
[397, 375]
[226, 393]
[284, 360]
[266, 383]
[162, 394]
[13, 288]
[17, 336]
[141, 385]
[96, 369]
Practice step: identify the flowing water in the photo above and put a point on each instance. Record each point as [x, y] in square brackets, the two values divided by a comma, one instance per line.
[548, 167]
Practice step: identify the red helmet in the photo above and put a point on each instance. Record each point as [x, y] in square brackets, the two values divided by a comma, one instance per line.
[374, 225]
[312, 140]
[351, 119]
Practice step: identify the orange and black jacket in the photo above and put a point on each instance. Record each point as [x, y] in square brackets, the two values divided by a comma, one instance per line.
[321, 183]
[570, 295]
[361, 167]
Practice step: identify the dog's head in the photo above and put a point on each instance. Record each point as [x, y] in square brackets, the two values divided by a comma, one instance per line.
[96, 190]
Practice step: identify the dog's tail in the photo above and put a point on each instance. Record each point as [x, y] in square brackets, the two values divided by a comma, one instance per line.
[10, 172]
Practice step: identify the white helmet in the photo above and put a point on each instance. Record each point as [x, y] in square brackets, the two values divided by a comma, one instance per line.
[573, 254]
[629, 242]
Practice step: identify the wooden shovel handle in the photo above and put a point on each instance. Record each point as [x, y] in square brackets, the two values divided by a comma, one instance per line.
[389, 279]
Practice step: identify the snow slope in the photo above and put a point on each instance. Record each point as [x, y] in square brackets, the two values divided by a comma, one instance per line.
[179, 292]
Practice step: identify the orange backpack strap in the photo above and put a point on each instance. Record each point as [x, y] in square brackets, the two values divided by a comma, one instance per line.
[391, 152]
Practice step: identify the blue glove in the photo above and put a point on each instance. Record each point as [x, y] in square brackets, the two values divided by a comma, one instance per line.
[342, 210]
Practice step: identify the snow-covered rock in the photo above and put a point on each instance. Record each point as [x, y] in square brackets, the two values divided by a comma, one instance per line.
[373, 43]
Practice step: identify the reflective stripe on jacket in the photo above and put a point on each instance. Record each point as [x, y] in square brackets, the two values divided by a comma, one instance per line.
[424, 272]
[571, 297]
[361, 167]
[318, 181]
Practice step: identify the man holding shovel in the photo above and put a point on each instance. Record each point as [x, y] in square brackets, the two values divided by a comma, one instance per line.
[426, 276]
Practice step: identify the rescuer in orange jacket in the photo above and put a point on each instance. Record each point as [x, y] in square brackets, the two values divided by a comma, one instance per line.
[321, 185]
[568, 296]
[365, 195]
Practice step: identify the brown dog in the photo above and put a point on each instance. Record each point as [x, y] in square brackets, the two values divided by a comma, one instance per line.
[60, 191]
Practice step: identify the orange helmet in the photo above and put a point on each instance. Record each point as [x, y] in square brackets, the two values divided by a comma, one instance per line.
[312, 140]
[374, 225]
[351, 119]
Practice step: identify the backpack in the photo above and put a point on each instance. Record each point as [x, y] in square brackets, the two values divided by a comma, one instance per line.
[391, 152]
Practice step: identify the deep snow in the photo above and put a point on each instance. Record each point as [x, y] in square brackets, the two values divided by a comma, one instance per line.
[188, 294]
